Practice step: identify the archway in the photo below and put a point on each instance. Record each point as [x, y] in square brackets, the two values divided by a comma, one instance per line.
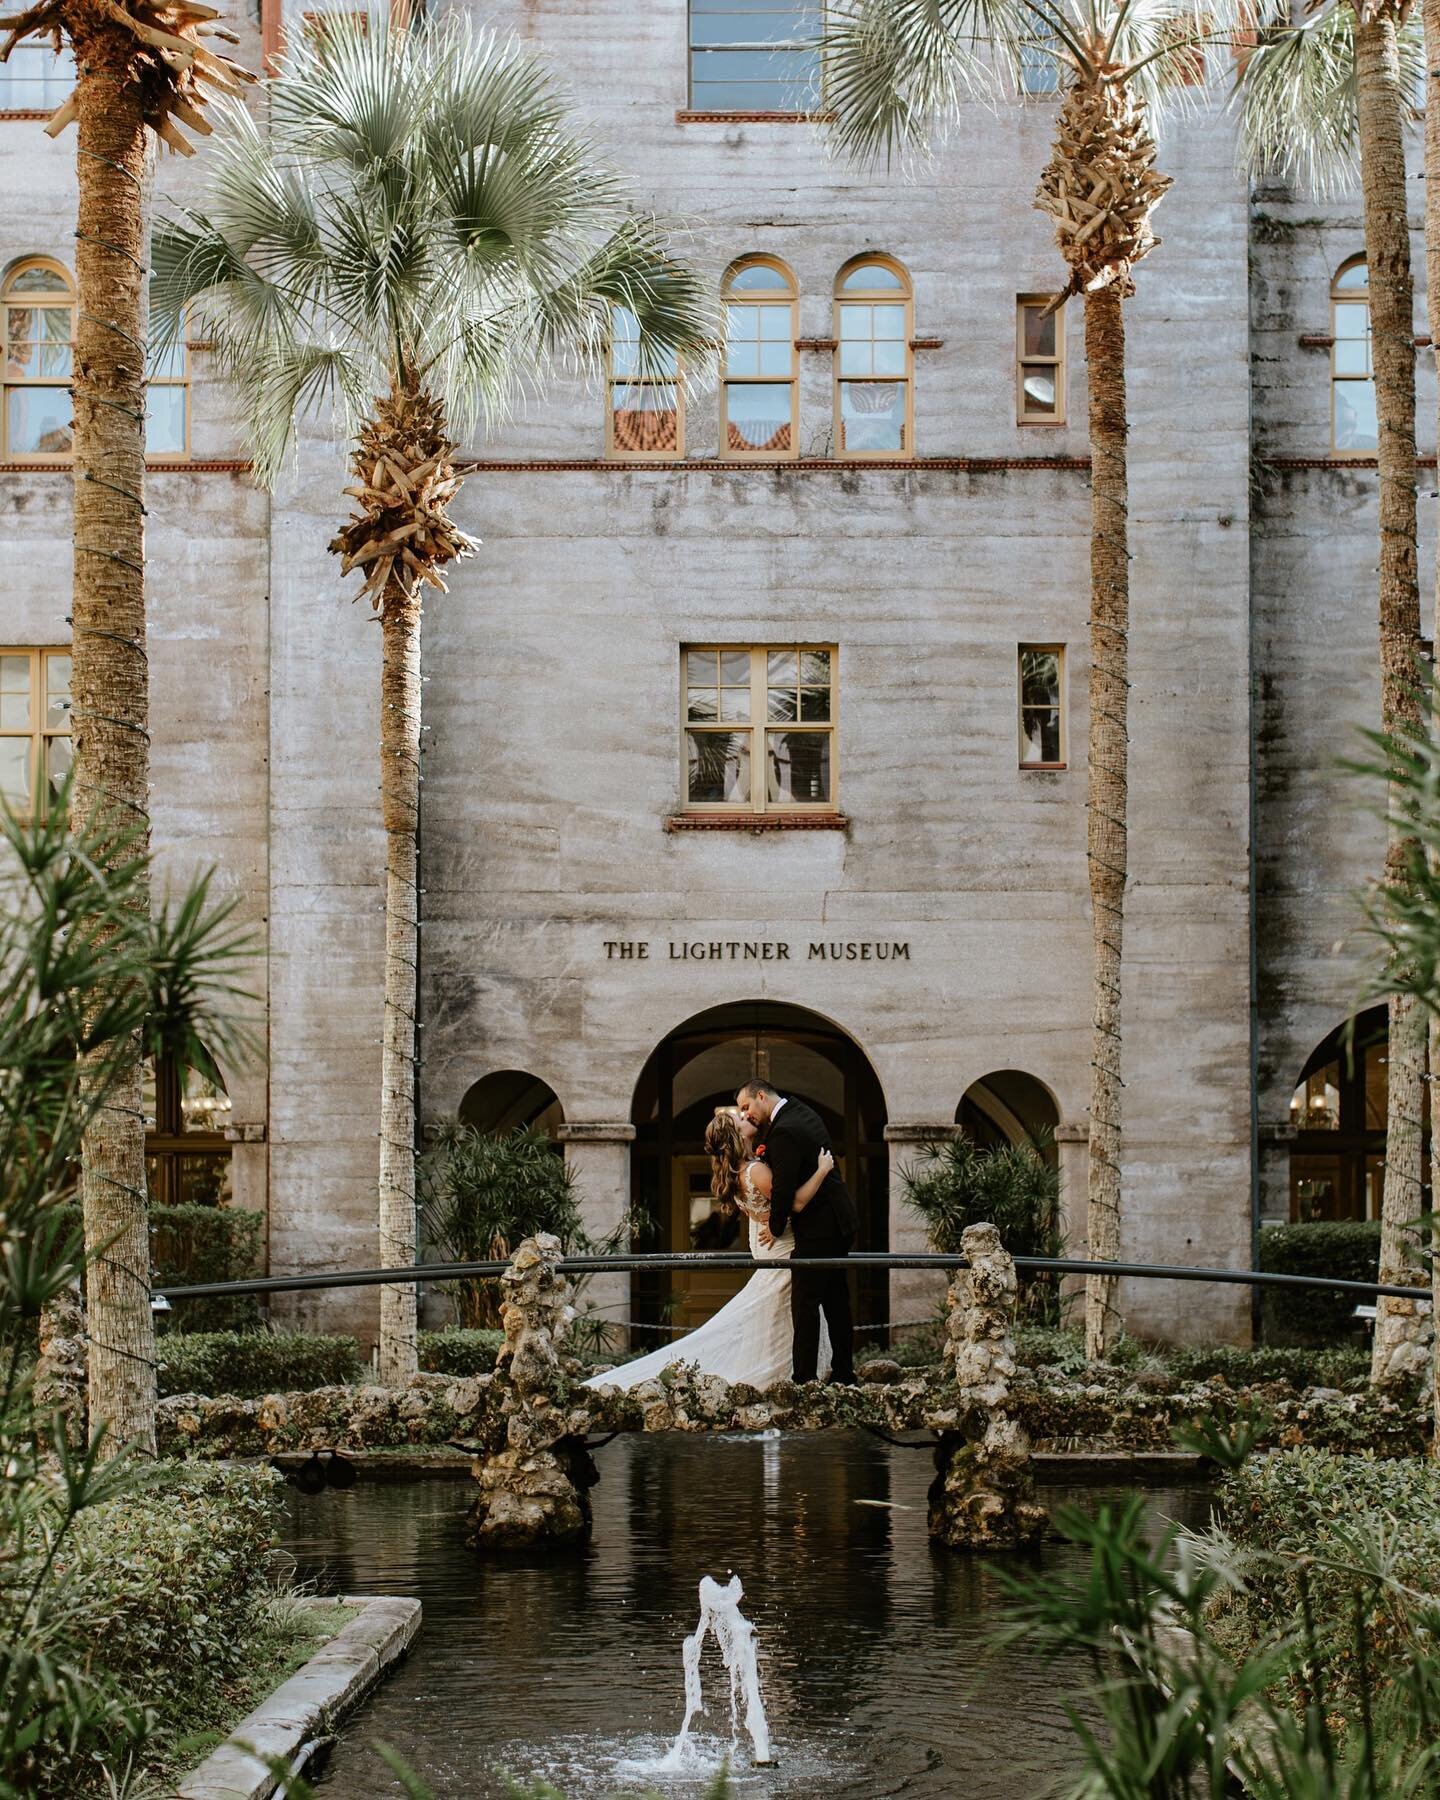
[1006, 1107]
[1338, 1113]
[510, 1099]
[697, 1068]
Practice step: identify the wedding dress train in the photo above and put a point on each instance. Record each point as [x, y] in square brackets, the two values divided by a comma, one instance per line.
[750, 1339]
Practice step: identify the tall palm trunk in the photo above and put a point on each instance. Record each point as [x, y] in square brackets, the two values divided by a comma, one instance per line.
[1381, 114]
[109, 675]
[1430, 15]
[401, 536]
[1107, 782]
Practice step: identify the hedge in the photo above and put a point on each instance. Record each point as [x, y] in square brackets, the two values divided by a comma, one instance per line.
[204, 1243]
[1309, 1515]
[1347, 1249]
[252, 1363]
[459, 1351]
[162, 1588]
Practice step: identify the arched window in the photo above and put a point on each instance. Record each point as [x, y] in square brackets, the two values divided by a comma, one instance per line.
[187, 1155]
[760, 396]
[38, 305]
[644, 419]
[1352, 372]
[873, 405]
[167, 401]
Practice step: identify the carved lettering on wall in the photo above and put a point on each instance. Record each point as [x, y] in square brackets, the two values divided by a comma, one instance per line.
[761, 950]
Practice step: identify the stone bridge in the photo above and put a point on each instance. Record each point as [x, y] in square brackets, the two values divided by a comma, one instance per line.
[535, 1471]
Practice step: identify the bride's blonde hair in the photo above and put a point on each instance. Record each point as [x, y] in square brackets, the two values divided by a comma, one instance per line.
[725, 1146]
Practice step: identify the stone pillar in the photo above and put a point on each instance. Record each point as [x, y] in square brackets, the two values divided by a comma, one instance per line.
[599, 1153]
[1072, 1142]
[983, 1495]
[535, 1490]
[915, 1294]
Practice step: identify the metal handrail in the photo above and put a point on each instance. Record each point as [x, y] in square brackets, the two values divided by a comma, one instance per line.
[634, 1262]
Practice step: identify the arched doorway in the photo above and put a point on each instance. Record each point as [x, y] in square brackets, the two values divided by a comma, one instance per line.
[1338, 1113]
[1006, 1107]
[510, 1100]
[697, 1069]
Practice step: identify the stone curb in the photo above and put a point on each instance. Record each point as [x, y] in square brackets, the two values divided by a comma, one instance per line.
[309, 1704]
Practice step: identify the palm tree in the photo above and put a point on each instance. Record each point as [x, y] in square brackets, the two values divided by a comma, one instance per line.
[895, 69]
[415, 236]
[140, 65]
[1311, 99]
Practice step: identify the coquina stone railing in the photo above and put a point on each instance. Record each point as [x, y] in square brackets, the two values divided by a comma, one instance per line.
[535, 1472]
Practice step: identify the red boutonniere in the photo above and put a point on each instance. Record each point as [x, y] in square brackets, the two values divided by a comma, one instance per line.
[759, 1150]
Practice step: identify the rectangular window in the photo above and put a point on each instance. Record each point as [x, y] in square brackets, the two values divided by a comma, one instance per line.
[1042, 706]
[755, 55]
[34, 726]
[759, 731]
[1039, 69]
[644, 417]
[1039, 361]
[35, 79]
[167, 402]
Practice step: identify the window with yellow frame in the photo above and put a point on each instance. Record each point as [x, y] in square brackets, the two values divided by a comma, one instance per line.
[759, 406]
[34, 726]
[1354, 426]
[1039, 361]
[644, 414]
[759, 727]
[1040, 689]
[37, 307]
[874, 364]
[167, 401]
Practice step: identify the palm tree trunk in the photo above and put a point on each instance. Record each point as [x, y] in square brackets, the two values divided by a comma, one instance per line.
[1430, 14]
[400, 785]
[1106, 785]
[109, 679]
[1381, 112]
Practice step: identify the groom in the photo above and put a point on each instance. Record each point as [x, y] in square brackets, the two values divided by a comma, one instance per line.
[793, 1135]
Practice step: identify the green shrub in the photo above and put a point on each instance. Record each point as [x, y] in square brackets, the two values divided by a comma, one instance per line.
[458, 1351]
[1309, 1519]
[251, 1363]
[191, 1244]
[1345, 1249]
[1343, 1367]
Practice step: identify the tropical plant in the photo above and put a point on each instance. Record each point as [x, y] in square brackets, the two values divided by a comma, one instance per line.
[1015, 1187]
[1315, 98]
[895, 73]
[411, 236]
[85, 972]
[138, 64]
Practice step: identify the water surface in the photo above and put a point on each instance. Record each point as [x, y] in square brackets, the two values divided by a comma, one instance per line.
[876, 1662]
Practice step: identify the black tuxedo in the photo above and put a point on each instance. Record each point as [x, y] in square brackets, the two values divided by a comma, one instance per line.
[794, 1138]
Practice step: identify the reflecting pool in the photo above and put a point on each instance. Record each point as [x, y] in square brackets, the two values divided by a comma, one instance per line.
[876, 1662]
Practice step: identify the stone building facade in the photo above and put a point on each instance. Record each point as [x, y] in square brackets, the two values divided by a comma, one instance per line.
[911, 940]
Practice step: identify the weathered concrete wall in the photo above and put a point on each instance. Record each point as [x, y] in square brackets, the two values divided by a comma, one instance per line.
[1316, 650]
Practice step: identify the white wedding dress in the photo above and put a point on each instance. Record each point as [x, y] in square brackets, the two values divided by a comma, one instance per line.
[751, 1338]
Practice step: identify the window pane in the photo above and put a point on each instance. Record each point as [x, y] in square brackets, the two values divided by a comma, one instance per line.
[624, 342]
[855, 321]
[742, 357]
[780, 668]
[1042, 736]
[646, 418]
[37, 421]
[1039, 678]
[872, 416]
[700, 668]
[856, 359]
[1355, 427]
[15, 693]
[889, 321]
[37, 280]
[761, 80]
[889, 359]
[719, 766]
[735, 667]
[59, 754]
[57, 691]
[1352, 322]
[781, 705]
[815, 704]
[1038, 334]
[166, 362]
[757, 415]
[701, 707]
[15, 772]
[797, 767]
[775, 323]
[1316, 1105]
[753, 21]
[1356, 276]
[757, 278]
[776, 358]
[1038, 388]
[735, 705]
[1352, 356]
[204, 1180]
[815, 666]
[1377, 1086]
[871, 277]
[165, 421]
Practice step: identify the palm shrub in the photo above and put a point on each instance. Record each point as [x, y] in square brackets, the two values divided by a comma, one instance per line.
[1316, 98]
[896, 74]
[957, 1183]
[410, 237]
[85, 974]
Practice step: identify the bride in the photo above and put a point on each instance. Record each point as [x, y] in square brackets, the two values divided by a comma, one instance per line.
[750, 1339]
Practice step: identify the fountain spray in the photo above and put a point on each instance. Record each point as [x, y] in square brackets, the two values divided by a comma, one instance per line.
[721, 1617]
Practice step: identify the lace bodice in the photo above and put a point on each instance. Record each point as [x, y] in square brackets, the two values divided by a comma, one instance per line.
[749, 1202]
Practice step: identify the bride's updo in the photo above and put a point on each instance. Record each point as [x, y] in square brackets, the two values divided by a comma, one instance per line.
[725, 1146]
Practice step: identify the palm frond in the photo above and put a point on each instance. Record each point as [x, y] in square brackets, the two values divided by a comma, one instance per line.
[1296, 105]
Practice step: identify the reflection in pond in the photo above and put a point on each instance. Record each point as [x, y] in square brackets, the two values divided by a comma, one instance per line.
[875, 1658]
